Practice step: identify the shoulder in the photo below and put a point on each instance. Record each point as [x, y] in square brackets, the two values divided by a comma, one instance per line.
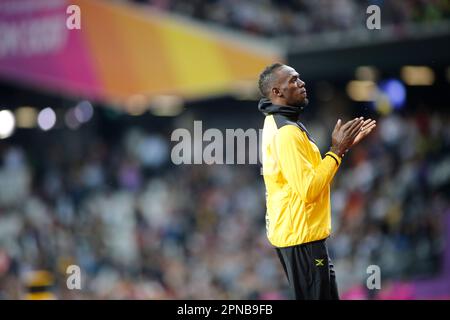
[291, 134]
[290, 129]
[282, 121]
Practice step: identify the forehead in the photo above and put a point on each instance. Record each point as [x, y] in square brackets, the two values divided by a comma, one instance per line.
[286, 72]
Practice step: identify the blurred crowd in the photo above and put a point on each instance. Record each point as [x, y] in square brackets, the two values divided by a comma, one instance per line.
[136, 229]
[141, 228]
[275, 18]
[391, 202]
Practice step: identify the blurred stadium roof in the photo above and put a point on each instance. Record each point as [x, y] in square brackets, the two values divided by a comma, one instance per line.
[130, 55]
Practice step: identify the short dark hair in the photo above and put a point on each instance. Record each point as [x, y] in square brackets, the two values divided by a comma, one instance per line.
[266, 78]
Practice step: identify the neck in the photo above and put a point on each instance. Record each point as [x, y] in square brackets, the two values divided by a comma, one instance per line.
[280, 102]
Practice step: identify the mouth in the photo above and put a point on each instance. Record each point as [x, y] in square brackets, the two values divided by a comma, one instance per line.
[303, 91]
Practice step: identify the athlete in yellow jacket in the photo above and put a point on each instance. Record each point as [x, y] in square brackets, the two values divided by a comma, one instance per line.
[297, 179]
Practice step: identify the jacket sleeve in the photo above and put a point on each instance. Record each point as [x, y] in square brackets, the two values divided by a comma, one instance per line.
[297, 167]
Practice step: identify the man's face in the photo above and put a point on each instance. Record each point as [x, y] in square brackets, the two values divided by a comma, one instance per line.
[291, 87]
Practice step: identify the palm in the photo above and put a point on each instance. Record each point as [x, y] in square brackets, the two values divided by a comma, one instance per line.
[367, 127]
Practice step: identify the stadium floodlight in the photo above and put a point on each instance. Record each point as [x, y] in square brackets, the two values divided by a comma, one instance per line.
[71, 119]
[395, 91]
[359, 90]
[26, 117]
[367, 73]
[7, 124]
[417, 75]
[46, 119]
[137, 104]
[84, 111]
[166, 106]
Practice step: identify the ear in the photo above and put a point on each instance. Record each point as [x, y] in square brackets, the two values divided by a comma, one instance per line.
[276, 92]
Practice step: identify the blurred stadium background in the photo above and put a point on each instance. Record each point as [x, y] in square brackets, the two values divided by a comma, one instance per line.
[86, 118]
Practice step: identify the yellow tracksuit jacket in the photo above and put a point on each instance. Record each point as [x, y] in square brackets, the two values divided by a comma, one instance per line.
[297, 180]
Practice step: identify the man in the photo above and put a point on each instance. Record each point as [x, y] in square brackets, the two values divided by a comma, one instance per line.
[297, 179]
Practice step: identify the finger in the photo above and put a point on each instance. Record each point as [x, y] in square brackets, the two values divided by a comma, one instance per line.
[368, 123]
[338, 125]
[358, 121]
[356, 129]
[370, 130]
[366, 132]
[370, 126]
[349, 123]
[355, 126]
[363, 133]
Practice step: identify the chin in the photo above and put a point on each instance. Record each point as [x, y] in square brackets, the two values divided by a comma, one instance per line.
[302, 104]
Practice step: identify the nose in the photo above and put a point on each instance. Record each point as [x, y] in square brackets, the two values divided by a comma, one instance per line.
[301, 83]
